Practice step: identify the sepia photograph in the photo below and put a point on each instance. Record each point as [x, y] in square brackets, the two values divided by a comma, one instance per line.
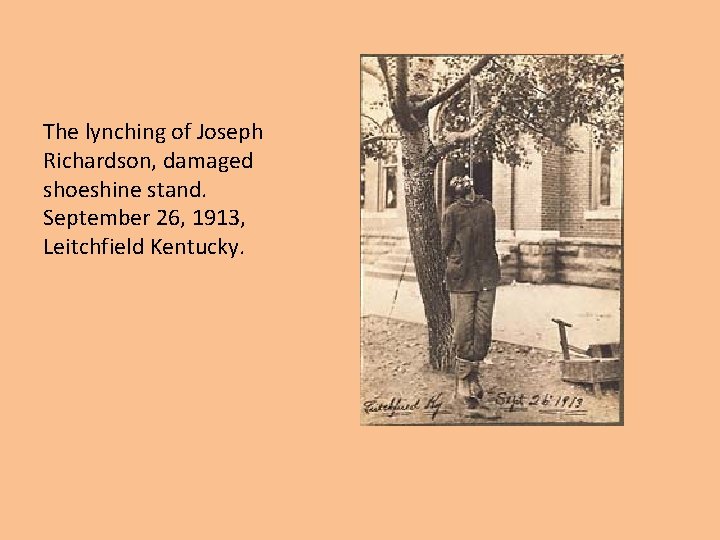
[491, 210]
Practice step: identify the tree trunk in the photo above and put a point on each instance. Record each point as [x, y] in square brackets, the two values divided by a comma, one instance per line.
[424, 231]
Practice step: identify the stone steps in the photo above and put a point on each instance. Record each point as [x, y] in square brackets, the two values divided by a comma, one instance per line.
[389, 256]
[398, 258]
[594, 263]
[380, 242]
[375, 249]
[390, 274]
[384, 264]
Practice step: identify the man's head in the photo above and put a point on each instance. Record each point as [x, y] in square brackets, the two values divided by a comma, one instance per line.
[462, 186]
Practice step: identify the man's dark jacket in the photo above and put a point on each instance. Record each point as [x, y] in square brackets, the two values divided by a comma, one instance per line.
[468, 242]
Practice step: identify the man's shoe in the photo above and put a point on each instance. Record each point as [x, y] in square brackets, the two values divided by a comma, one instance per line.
[482, 411]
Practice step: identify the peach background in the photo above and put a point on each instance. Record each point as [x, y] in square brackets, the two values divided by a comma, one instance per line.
[151, 397]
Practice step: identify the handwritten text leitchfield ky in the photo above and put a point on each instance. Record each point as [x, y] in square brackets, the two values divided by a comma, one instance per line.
[396, 405]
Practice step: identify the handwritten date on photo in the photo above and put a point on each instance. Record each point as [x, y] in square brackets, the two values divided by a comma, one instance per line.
[522, 401]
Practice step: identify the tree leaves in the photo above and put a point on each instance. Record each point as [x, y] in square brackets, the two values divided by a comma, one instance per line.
[377, 141]
[521, 98]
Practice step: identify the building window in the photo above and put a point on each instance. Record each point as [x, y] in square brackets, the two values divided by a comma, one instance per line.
[390, 174]
[611, 178]
[606, 183]
[604, 177]
[362, 181]
[389, 192]
[362, 187]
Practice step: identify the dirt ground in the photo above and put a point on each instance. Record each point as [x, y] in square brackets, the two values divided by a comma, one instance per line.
[523, 384]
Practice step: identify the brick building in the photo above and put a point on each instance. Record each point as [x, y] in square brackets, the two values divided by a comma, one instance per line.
[558, 220]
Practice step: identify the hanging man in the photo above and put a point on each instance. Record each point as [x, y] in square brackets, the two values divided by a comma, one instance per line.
[472, 274]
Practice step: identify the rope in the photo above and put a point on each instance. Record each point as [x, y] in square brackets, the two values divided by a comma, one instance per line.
[397, 289]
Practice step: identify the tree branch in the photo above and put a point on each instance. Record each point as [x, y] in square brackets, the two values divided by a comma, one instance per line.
[383, 137]
[453, 138]
[382, 61]
[402, 82]
[371, 70]
[456, 86]
[404, 113]
[531, 125]
[377, 124]
[555, 140]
